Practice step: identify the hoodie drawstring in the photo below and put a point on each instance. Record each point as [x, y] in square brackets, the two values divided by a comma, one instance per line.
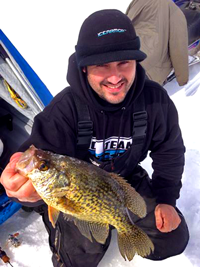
[120, 131]
[104, 131]
[119, 135]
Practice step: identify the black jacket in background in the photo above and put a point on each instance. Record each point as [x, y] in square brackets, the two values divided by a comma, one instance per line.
[55, 129]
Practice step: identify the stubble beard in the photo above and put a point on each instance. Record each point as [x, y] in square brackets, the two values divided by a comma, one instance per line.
[114, 94]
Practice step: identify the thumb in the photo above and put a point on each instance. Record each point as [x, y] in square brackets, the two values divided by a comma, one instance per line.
[158, 217]
[14, 158]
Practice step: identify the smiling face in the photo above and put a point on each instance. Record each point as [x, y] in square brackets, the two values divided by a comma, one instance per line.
[112, 81]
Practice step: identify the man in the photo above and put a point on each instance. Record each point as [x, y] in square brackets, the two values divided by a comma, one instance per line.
[162, 28]
[105, 74]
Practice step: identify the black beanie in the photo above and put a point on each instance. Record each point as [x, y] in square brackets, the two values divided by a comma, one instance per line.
[107, 36]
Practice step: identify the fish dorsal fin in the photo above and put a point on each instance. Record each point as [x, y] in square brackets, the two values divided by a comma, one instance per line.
[53, 215]
[134, 201]
[99, 231]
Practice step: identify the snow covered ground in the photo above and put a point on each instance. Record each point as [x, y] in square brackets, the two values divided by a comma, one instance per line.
[45, 33]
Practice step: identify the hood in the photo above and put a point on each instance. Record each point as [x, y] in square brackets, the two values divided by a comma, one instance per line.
[80, 86]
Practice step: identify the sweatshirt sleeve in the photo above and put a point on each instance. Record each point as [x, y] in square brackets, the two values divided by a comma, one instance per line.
[54, 128]
[178, 44]
[167, 153]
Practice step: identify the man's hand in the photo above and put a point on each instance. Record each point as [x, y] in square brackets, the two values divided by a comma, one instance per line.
[167, 218]
[16, 185]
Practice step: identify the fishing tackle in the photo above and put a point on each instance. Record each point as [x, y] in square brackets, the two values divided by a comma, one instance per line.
[14, 240]
[5, 257]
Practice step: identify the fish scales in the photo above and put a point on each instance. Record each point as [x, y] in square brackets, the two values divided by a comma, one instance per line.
[90, 197]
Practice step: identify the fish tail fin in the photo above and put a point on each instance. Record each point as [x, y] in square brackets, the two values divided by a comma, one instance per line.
[133, 241]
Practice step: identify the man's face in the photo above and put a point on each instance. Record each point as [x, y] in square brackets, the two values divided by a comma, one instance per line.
[112, 81]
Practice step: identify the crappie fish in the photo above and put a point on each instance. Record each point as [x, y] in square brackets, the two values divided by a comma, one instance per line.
[89, 196]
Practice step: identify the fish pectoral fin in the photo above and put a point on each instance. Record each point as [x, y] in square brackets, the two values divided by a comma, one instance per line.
[134, 241]
[53, 215]
[59, 192]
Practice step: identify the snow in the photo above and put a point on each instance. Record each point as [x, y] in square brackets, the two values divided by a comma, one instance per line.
[45, 33]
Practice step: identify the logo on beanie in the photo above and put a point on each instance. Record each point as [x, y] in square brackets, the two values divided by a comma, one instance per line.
[110, 31]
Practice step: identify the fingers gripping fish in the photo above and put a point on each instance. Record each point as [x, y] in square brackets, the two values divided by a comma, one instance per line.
[89, 196]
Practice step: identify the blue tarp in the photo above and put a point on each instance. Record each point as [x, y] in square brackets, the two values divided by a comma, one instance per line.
[8, 207]
[180, 2]
[39, 87]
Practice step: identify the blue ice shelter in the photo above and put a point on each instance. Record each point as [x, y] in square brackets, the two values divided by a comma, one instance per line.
[22, 96]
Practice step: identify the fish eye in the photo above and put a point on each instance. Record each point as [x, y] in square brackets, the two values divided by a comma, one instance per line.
[44, 166]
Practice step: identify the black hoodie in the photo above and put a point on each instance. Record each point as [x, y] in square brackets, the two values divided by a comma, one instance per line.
[55, 129]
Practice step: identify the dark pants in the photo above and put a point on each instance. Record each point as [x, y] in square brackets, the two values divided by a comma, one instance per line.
[166, 244]
[77, 251]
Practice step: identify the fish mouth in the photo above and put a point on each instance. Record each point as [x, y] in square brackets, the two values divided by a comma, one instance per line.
[27, 161]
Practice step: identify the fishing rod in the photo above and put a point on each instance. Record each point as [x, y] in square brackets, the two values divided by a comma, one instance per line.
[10, 264]
[5, 257]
